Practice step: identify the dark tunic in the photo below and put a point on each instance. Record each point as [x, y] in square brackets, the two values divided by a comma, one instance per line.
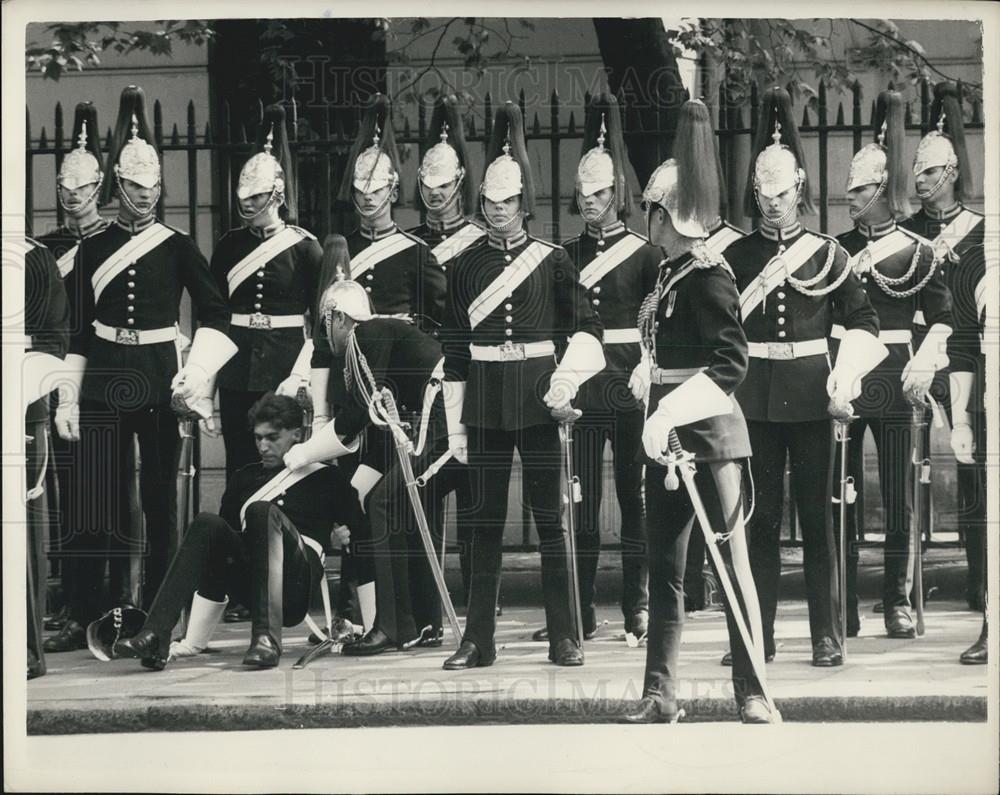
[794, 390]
[615, 297]
[315, 504]
[882, 388]
[63, 242]
[149, 292]
[284, 285]
[698, 326]
[46, 313]
[549, 305]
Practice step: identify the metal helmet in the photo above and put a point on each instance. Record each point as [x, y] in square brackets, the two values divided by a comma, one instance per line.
[881, 163]
[119, 623]
[778, 165]
[133, 156]
[348, 297]
[944, 147]
[447, 159]
[509, 171]
[269, 170]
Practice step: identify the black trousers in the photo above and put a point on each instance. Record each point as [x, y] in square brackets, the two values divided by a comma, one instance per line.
[624, 430]
[670, 518]
[267, 567]
[39, 513]
[237, 435]
[808, 447]
[972, 513]
[894, 446]
[491, 454]
[406, 595]
[99, 519]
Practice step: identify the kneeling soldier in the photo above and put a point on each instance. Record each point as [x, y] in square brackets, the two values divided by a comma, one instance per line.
[265, 548]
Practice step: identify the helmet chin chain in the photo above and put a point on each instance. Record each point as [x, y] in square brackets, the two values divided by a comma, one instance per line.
[505, 227]
[446, 204]
[123, 196]
[789, 214]
[249, 217]
[371, 213]
[84, 204]
[857, 215]
[945, 173]
[600, 216]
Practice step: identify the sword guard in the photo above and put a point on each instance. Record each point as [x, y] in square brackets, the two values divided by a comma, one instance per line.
[850, 493]
[925, 471]
[575, 490]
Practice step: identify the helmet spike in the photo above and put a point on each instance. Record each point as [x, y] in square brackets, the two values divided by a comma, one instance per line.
[375, 136]
[776, 135]
[444, 133]
[602, 133]
[135, 127]
[81, 141]
[269, 142]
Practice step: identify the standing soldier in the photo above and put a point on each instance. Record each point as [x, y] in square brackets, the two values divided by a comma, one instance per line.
[269, 270]
[698, 356]
[904, 279]
[78, 186]
[448, 192]
[125, 291]
[46, 338]
[944, 182]
[618, 269]
[792, 284]
[511, 298]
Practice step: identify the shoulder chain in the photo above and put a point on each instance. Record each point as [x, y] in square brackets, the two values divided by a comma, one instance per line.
[804, 286]
[887, 283]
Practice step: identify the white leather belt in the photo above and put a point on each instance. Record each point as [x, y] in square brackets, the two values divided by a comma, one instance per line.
[900, 336]
[617, 336]
[676, 375]
[258, 320]
[787, 350]
[134, 336]
[512, 351]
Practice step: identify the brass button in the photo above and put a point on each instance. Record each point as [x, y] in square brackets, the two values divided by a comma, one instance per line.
[781, 294]
[131, 272]
[260, 274]
[781, 307]
[131, 321]
[131, 296]
[506, 257]
[782, 334]
[369, 276]
[596, 302]
[368, 289]
[597, 290]
[509, 332]
[256, 306]
[509, 319]
[131, 285]
[131, 309]
[600, 242]
[260, 285]
[781, 321]
[508, 307]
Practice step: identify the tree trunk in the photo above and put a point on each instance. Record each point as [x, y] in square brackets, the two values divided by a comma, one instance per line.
[642, 72]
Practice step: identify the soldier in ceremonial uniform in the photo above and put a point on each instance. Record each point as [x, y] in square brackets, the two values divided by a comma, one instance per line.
[944, 181]
[697, 357]
[899, 273]
[46, 337]
[395, 267]
[511, 299]
[793, 283]
[269, 270]
[78, 187]
[125, 290]
[448, 191]
[618, 269]
[384, 352]
[265, 548]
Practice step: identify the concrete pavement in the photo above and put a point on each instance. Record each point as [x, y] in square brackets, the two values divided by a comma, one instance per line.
[883, 680]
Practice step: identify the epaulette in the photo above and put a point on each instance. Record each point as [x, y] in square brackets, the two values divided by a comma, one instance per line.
[534, 239]
[918, 239]
[304, 232]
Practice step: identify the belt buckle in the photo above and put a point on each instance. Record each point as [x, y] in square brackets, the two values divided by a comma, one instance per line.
[260, 320]
[512, 352]
[126, 336]
[781, 351]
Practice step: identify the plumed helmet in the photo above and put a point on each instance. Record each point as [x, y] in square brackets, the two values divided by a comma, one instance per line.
[777, 160]
[270, 169]
[373, 162]
[447, 158]
[687, 185]
[509, 171]
[348, 297]
[132, 155]
[603, 159]
[82, 165]
[881, 162]
[944, 147]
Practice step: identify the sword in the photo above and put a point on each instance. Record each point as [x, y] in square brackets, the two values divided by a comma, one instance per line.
[919, 464]
[679, 458]
[390, 414]
[566, 417]
[841, 435]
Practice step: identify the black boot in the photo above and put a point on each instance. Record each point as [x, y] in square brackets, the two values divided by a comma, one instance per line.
[71, 637]
[469, 656]
[267, 556]
[976, 654]
[652, 710]
[145, 647]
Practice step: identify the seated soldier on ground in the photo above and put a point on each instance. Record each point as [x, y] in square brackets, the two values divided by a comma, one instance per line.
[264, 548]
